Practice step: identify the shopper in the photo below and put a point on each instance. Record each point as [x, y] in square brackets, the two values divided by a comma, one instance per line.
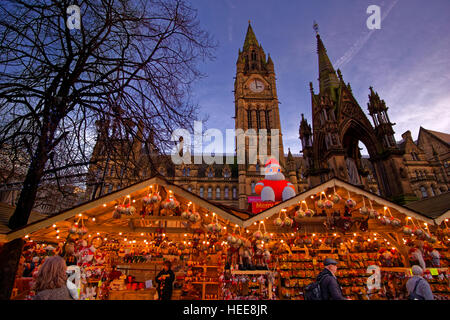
[51, 280]
[165, 279]
[329, 286]
[418, 288]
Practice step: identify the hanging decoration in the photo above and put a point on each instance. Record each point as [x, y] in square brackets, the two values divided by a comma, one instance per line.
[258, 235]
[372, 212]
[152, 197]
[364, 210]
[124, 209]
[320, 202]
[300, 213]
[214, 227]
[170, 203]
[78, 227]
[396, 223]
[336, 198]
[191, 216]
[287, 222]
[350, 203]
[406, 229]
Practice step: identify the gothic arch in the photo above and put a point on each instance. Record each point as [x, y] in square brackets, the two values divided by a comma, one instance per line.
[360, 133]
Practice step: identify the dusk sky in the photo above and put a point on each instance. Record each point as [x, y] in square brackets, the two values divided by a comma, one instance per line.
[407, 61]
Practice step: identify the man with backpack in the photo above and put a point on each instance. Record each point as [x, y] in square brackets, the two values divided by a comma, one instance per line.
[418, 288]
[326, 286]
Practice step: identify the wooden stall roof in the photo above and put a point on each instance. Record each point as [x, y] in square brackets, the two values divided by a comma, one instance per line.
[94, 208]
[100, 207]
[437, 207]
[353, 190]
[6, 212]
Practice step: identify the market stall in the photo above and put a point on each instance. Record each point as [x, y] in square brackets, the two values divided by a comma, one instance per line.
[121, 240]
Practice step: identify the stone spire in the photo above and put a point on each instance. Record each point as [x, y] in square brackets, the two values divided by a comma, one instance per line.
[327, 75]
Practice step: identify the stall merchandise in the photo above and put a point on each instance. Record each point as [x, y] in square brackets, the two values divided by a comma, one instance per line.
[120, 245]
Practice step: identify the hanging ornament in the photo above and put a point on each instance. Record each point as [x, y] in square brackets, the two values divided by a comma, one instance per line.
[73, 229]
[350, 203]
[328, 204]
[287, 222]
[170, 203]
[278, 222]
[372, 212]
[155, 197]
[406, 229]
[300, 213]
[258, 235]
[364, 210]
[384, 220]
[336, 198]
[320, 202]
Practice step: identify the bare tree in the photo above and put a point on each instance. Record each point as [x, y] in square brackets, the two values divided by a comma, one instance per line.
[132, 61]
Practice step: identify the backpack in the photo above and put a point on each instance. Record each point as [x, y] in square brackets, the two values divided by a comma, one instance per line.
[413, 295]
[312, 291]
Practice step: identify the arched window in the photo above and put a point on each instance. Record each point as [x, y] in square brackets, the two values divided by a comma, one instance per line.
[249, 118]
[188, 172]
[258, 120]
[267, 120]
[253, 187]
[184, 172]
[218, 193]
[225, 193]
[253, 55]
[424, 192]
[234, 193]
[201, 192]
[227, 173]
[209, 193]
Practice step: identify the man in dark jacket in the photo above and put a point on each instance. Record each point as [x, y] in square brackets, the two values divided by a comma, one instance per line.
[329, 286]
[165, 279]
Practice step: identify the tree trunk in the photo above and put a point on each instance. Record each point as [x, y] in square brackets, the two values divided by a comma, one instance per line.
[11, 252]
[9, 262]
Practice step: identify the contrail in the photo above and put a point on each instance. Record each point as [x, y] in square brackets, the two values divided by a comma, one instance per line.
[359, 44]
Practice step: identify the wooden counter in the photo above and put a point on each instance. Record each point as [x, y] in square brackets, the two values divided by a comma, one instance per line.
[147, 294]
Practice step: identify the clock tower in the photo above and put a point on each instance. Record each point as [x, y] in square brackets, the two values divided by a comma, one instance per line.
[256, 107]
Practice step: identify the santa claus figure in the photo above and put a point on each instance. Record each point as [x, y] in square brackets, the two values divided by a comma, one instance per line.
[274, 187]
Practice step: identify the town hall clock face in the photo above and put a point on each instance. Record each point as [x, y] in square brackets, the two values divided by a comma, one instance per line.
[256, 85]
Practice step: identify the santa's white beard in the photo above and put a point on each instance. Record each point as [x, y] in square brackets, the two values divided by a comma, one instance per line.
[275, 177]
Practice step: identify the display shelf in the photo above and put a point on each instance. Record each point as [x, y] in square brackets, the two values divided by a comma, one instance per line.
[238, 272]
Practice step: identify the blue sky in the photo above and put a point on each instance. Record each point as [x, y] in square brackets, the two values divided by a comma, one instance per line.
[407, 61]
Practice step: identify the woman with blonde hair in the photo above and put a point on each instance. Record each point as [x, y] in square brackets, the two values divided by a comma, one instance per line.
[51, 280]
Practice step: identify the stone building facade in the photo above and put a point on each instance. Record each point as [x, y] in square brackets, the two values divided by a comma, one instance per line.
[400, 171]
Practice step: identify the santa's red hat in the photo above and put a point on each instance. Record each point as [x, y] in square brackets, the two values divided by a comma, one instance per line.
[272, 161]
